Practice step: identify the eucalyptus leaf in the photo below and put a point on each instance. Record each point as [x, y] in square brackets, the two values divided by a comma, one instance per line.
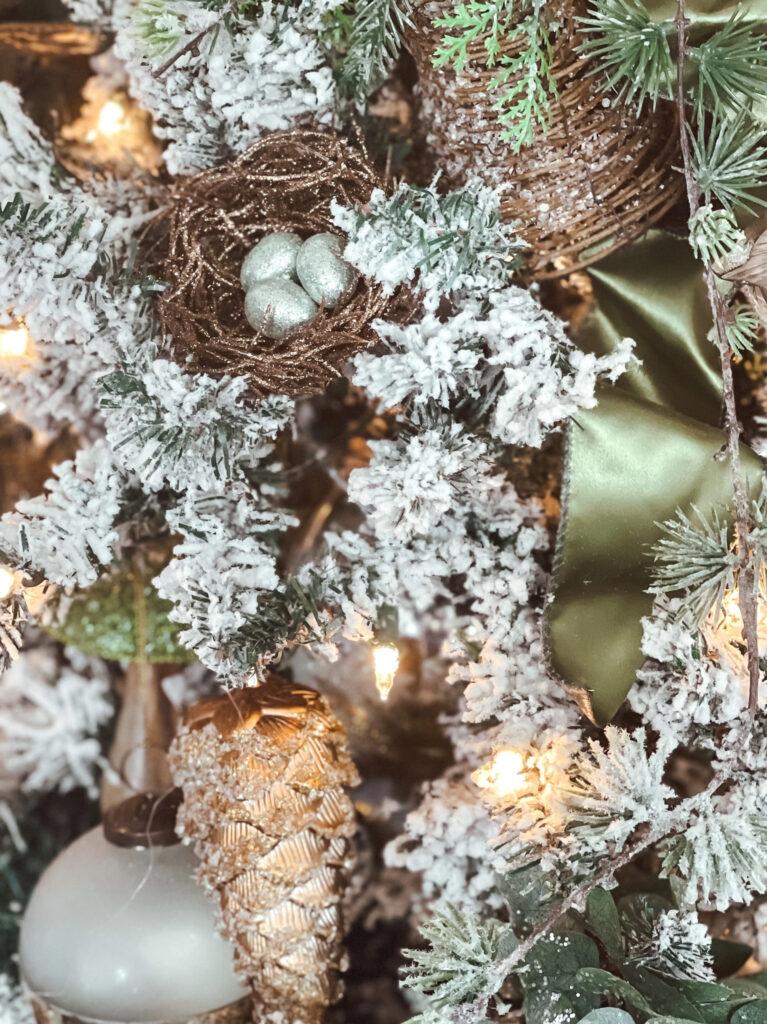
[751, 1013]
[594, 979]
[603, 920]
[665, 998]
[607, 1015]
[550, 977]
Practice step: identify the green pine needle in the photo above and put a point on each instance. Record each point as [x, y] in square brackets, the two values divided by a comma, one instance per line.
[732, 67]
[158, 26]
[696, 559]
[742, 330]
[631, 50]
[715, 236]
[460, 964]
[729, 162]
[373, 46]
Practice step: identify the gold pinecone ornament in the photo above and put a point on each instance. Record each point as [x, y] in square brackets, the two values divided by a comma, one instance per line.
[262, 772]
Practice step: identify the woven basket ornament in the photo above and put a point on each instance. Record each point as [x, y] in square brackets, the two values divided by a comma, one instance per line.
[598, 177]
[285, 182]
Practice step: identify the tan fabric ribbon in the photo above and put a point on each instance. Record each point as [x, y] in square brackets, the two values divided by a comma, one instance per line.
[649, 447]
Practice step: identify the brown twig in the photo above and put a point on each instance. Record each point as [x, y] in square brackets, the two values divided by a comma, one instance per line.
[189, 47]
[747, 583]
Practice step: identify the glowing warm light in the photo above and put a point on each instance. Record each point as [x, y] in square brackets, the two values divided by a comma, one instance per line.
[14, 342]
[505, 774]
[731, 621]
[111, 118]
[7, 582]
[385, 665]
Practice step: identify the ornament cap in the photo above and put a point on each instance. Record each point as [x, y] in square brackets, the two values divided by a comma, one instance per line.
[241, 710]
[144, 820]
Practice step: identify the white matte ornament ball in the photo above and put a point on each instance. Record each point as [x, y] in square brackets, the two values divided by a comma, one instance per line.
[274, 256]
[125, 934]
[277, 306]
[326, 277]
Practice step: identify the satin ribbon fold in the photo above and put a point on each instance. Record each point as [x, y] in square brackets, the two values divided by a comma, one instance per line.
[651, 445]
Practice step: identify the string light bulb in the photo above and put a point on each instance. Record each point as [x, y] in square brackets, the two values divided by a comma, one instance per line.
[7, 582]
[730, 621]
[504, 774]
[15, 342]
[385, 665]
[111, 118]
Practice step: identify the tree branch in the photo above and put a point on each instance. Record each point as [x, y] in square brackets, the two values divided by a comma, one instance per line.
[747, 582]
[192, 46]
[682, 813]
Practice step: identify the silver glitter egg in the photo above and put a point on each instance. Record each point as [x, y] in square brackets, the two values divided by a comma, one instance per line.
[274, 256]
[277, 306]
[326, 277]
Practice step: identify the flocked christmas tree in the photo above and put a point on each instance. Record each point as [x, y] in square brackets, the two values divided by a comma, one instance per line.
[412, 353]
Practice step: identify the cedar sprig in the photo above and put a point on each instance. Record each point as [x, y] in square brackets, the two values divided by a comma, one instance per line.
[524, 85]
[516, 42]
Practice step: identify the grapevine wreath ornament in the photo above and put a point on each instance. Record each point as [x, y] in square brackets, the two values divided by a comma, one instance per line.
[262, 771]
[284, 183]
[594, 179]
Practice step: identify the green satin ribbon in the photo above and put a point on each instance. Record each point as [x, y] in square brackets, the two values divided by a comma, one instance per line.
[707, 15]
[649, 447]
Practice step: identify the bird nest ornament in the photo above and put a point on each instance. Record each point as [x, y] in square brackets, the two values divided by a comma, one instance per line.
[595, 179]
[217, 308]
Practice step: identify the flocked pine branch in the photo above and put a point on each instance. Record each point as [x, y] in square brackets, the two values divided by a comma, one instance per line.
[173, 427]
[374, 42]
[450, 241]
[720, 855]
[13, 617]
[716, 238]
[68, 533]
[743, 327]
[695, 558]
[615, 790]
[460, 965]
[671, 942]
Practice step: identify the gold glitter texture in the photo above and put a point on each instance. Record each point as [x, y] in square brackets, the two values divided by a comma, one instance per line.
[262, 771]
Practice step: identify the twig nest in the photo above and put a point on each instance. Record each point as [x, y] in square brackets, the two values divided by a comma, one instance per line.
[277, 306]
[326, 276]
[238, 226]
[274, 256]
